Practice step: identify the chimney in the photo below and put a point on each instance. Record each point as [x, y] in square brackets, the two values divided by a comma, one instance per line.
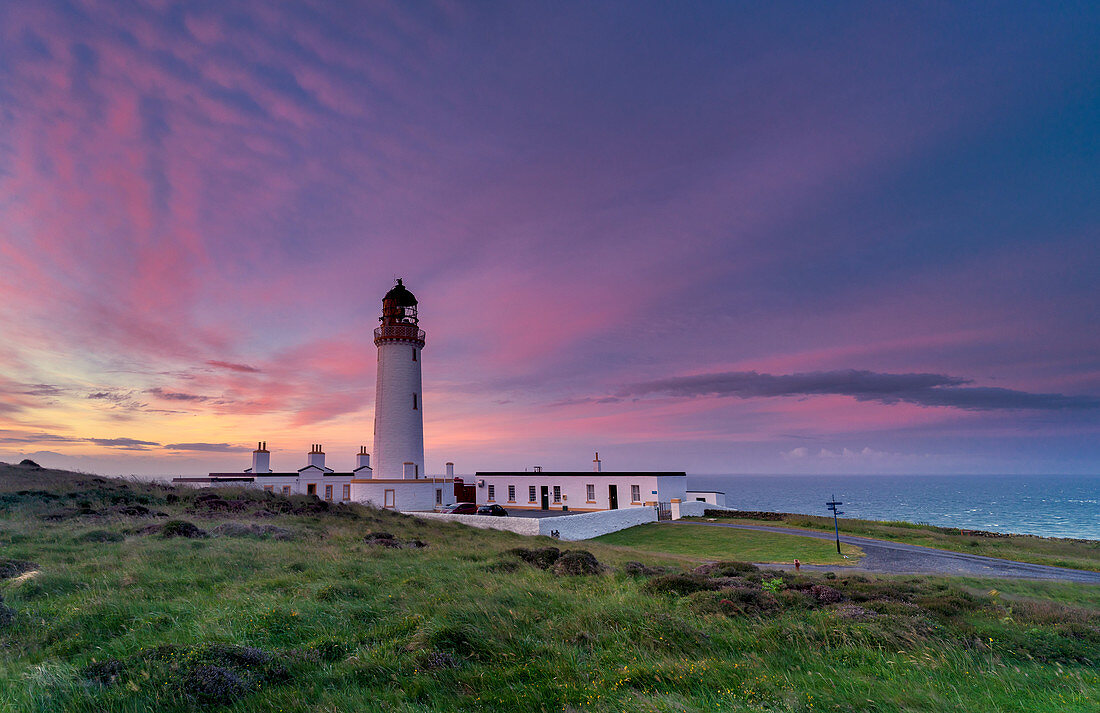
[451, 470]
[362, 460]
[261, 458]
[316, 456]
[409, 471]
[596, 465]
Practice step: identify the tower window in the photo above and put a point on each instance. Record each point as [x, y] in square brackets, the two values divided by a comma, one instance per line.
[414, 353]
[414, 402]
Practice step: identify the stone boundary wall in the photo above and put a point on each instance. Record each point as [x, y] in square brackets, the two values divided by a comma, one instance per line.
[520, 525]
[698, 509]
[594, 524]
[570, 527]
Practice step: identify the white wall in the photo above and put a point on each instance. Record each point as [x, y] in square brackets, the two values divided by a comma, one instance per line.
[570, 527]
[398, 427]
[708, 496]
[521, 525]
[594, 524]
[692, 508]
[408, 495]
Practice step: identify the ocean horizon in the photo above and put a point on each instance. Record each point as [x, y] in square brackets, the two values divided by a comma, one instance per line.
[1044, 505]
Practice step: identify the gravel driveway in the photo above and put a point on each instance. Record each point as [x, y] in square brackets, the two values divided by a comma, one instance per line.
[896, 558]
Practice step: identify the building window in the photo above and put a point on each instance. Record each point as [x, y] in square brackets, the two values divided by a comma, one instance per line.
[439, 496]
[492, 493]
[414, 353]
[414, 402]
[591, 492]
[389, 499]
[416, 470]
[328, 492]
[347, 491]
[311, 489]
[531, 493]
[269, 488]
[557, 493]
[700, 500]
[286, 490]
[511, 493]
[635, 494]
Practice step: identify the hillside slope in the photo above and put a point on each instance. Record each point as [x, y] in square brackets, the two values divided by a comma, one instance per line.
[127, 596]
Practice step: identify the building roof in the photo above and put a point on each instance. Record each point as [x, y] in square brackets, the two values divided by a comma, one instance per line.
[579, 473]
[401, 296]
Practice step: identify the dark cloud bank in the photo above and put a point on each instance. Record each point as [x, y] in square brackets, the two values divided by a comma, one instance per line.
[921, 389]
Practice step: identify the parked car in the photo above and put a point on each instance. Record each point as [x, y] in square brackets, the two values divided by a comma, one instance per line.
[461, 509]
[492, 510]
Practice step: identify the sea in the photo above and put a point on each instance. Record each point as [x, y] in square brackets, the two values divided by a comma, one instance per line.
[1045, 505]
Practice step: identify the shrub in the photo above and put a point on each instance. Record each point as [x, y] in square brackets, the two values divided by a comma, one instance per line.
[679, 584]
[14, 568]
[825, 594]
[436, 660]
[340, 592]
[734, 568]
[773, 585]
[379, 536]
[637, 569]
[181, 528]
[104, 672]
[212, 685]
[543, 558]
[577, 562]
[7, 616]
[100, 536]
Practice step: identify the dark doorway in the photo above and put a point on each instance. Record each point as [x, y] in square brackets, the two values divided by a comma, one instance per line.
[613, 497]
[546, 497]
[311, 489]
[464, 493]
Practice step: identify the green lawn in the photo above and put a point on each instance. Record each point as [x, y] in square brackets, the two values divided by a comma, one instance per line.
[724, 543]
[1058, 552]
[119, 619]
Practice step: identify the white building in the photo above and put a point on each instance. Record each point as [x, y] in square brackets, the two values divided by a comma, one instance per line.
[578, 491]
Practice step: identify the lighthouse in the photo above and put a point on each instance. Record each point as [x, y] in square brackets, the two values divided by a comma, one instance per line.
[398, 402]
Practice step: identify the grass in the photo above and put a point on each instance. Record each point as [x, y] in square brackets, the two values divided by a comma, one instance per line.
[1055, 551]
[730, 544]
[326, 621]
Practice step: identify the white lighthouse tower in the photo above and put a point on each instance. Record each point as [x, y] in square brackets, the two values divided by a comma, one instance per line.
[398, 406]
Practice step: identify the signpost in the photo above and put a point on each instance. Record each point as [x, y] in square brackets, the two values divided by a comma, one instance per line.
[832, 505]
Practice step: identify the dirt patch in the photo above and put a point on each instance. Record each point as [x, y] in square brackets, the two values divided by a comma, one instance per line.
[9, 568]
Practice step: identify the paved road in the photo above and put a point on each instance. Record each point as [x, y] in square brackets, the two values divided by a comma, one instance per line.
[896, 558]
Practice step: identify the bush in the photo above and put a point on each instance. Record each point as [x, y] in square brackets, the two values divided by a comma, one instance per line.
[543, 558]
[104, 672]
[212, 685]
[7, 616]
[14, 568]
[637, 569]
[436, 660]
[825, 594]
[181, 528]
[577, 562]
[679, 584]
[100, 536]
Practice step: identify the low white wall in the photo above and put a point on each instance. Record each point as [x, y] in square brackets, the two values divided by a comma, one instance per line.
[594, 524]
[570, 527]
[694, 508]
[521, 525]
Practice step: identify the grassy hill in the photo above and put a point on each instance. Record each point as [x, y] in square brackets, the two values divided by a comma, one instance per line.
[1054, 551]
[124, 596]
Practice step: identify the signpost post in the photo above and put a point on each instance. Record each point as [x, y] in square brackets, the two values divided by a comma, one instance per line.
[832, 505]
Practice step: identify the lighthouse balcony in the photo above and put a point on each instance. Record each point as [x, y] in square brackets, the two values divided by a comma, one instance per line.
[399, 333]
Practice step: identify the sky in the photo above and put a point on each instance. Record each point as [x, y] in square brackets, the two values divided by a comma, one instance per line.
[712, 237]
